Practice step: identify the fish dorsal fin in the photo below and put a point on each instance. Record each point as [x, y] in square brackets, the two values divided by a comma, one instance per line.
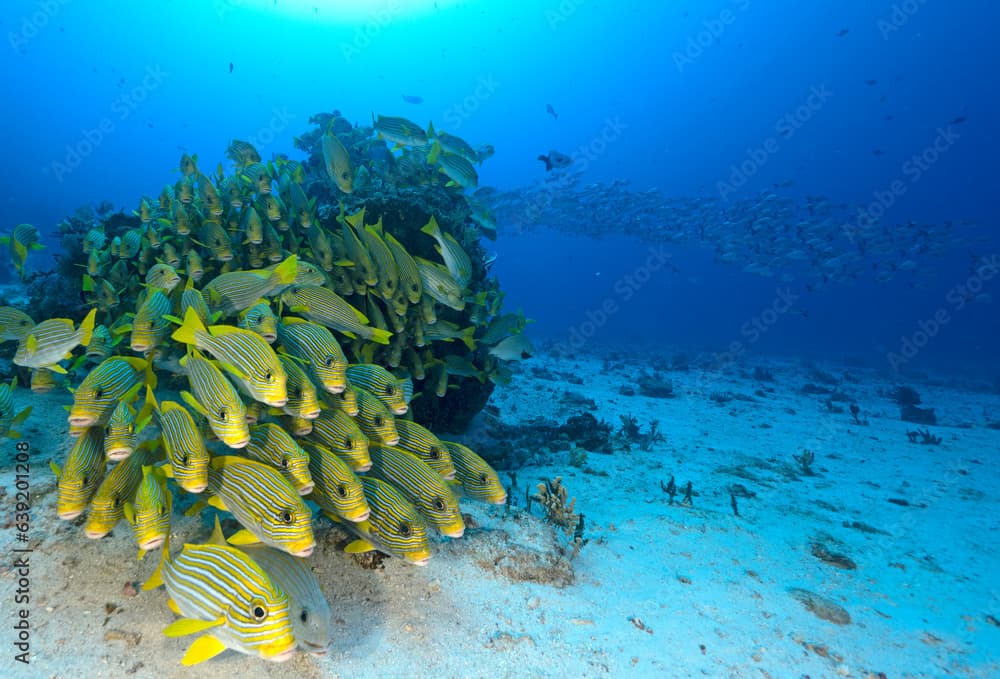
[217, 537]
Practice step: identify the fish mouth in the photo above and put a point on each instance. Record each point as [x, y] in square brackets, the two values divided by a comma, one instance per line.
[270, 338]
[391, 442]
[419, 559]
[363, 467]
[82, 420]
[305, 551]
[500, 500]
[140, 347]
[70, 514]
[194, 488]
[152, 543]
[400, 411]
[95, 534]
[311, 415]
[336, 388]
[305, 490]
[449, 476]
[277, 403]
[242, 443]
[360, 517]
[118, 454]
[454, 532]
[311, 648]
[280, 656]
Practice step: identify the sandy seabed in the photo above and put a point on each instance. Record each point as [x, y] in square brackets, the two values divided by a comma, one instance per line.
[659, 590]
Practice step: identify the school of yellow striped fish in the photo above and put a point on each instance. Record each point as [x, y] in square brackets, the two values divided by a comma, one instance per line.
[294, 346]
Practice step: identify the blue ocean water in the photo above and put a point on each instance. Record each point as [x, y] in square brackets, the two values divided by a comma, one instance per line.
[682, 96]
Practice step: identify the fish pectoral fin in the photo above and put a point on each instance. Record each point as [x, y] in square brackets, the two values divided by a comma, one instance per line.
[233, 370]
[359, 547]
[172, 605]
[21, 416]
[243, 537]
[189, 398]
[204, 648]
[31, 343]
[56, 368]
[186, 626]
[216, 501]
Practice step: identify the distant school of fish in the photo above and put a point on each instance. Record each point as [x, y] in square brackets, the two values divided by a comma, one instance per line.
[293, 394]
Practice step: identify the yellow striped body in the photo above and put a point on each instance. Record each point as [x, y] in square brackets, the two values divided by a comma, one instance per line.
[375, 420]
[302, 398]
[227, 416]
[340, 433]
[315, 344]
[381, 383]
[272, 445]
[185, 447]
[107, 507]
[394, 525]
[150, 511]
[425, 445]
[149, 327]
[221, 583]
[479, 480]
[309, 611]
[263, 502]
[101, 390]
[337, 489]
[422, 486]
[81, 474]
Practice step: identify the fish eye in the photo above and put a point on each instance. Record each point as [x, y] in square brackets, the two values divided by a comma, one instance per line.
[304, 617]
[435, 453]
[268, 376]
[389, 390]
[223, 414]
[482, 479]
[85, 479]
[295, 393]
[438, 504]
[99, 393]
[284, 463]
[378, 421]
[184, 461]
[348, 443]
[329, 361]
[257, 611]
[163, 510]
[117, 502]
[341, 490]
[286, 516]
[404, 529]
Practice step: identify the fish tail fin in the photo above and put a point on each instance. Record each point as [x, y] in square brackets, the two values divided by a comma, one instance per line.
[467, 339]
[431, 228]
[190, 328]
[380, 336]
[435, 152]
[87, 326]
[547, 161]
